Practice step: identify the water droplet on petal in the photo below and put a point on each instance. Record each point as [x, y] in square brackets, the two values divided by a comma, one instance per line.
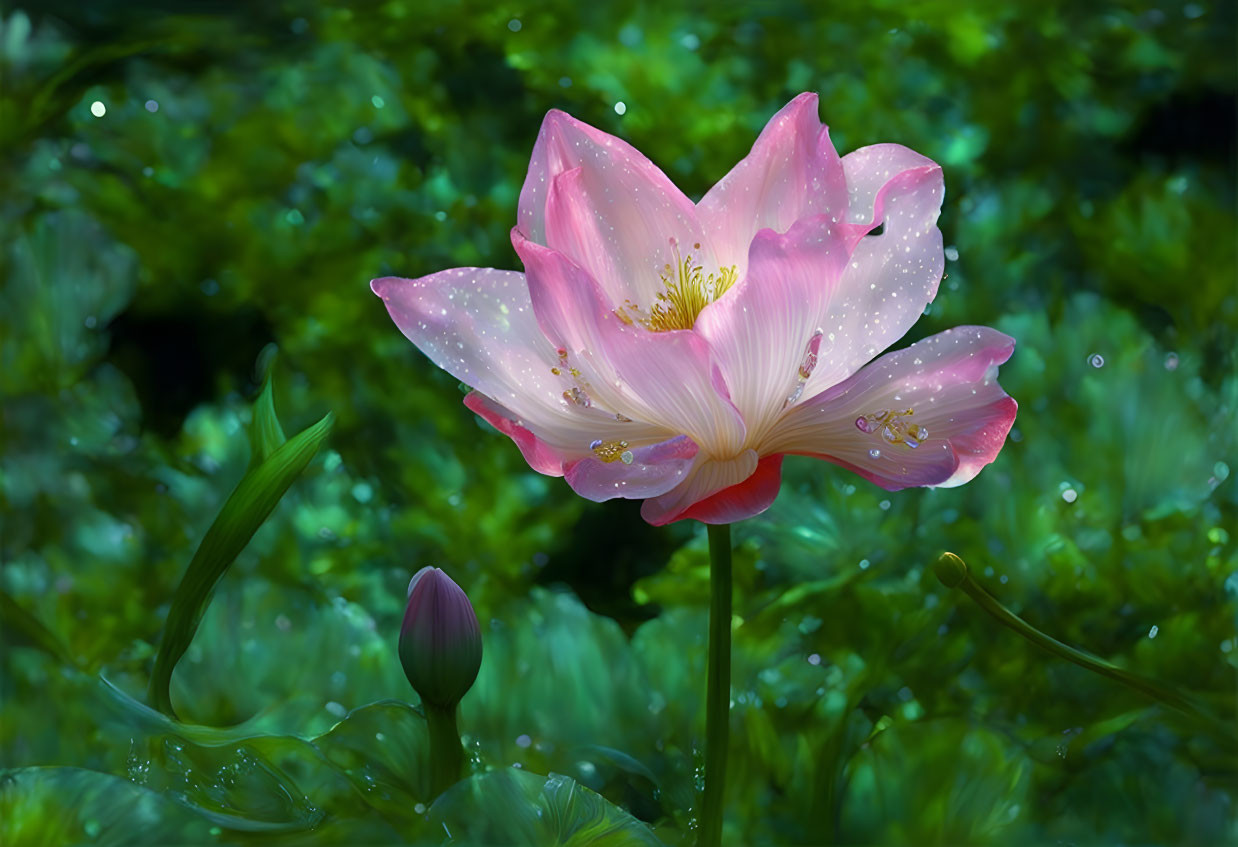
[626, 457]
[862, 424]
[875, 453]
[809, 362]
[577, 396]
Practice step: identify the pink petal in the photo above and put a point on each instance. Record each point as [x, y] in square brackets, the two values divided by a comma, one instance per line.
[948, 380]
[744, 500]
[478, 325]
[668, 379]
[707, 477]
[869, 169]
[541, 456]
[767, 328]
[792, 172]
[624, 228]
[892, 276]
[653, 470]
[617, 192]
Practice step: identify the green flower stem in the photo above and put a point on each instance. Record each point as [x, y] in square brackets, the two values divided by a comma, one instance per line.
[718, 686]
[953, 573]
[446, 752]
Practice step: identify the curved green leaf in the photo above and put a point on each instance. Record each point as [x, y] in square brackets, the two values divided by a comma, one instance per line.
[253, 500]
[517, 807]
[265, 433]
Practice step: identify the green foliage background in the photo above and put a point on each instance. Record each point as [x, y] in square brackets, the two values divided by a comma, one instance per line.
[299, 149]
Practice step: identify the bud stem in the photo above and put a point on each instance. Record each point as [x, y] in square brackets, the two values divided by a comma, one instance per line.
[953, 573]
[718, 686]
[446, 752]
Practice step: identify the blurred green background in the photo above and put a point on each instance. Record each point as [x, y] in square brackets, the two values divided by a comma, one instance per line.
[182, 183]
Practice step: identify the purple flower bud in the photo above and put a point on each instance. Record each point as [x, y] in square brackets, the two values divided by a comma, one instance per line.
[440, 641]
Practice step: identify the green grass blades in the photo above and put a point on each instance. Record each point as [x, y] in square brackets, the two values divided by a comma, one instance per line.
[255, 496]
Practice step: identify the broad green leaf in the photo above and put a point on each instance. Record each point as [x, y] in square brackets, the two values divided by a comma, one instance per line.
[249, 505]
[45, 806]
[517, 807]
[384, 749]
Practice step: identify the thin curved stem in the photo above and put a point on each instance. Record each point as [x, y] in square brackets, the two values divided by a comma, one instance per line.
[718, 686]
[953, 573]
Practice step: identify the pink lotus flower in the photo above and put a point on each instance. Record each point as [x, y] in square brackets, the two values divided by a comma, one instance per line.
[675, 352]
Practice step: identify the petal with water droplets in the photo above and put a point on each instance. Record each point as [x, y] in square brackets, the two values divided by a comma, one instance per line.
[668, 379]
[645, 472]
[891, 276]
[478, 325]
[765, 331]
[792, 172]
[945, 384]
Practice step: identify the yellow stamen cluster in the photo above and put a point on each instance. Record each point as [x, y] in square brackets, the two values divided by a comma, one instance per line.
[687, 290]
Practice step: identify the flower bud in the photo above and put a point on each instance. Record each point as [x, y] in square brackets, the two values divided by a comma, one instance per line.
[440, 641]
[950, 569]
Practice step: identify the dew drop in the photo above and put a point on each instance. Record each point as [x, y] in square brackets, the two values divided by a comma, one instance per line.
[862, 424]
[875, 453]
[1171, 361]
[809, 362]
[577, 396]
[1070, 495]
[1153, 631]
[626, 457]
[1096, 360]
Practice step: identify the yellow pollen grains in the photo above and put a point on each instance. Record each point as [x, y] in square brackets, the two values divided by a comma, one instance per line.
[687, 289]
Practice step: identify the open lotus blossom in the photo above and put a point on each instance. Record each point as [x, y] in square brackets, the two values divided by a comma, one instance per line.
[674, 352]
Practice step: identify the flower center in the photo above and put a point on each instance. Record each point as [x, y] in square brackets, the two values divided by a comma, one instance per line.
[686, 291]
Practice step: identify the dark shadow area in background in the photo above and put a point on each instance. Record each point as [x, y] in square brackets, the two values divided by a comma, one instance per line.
[602, 573]
[179, 359]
